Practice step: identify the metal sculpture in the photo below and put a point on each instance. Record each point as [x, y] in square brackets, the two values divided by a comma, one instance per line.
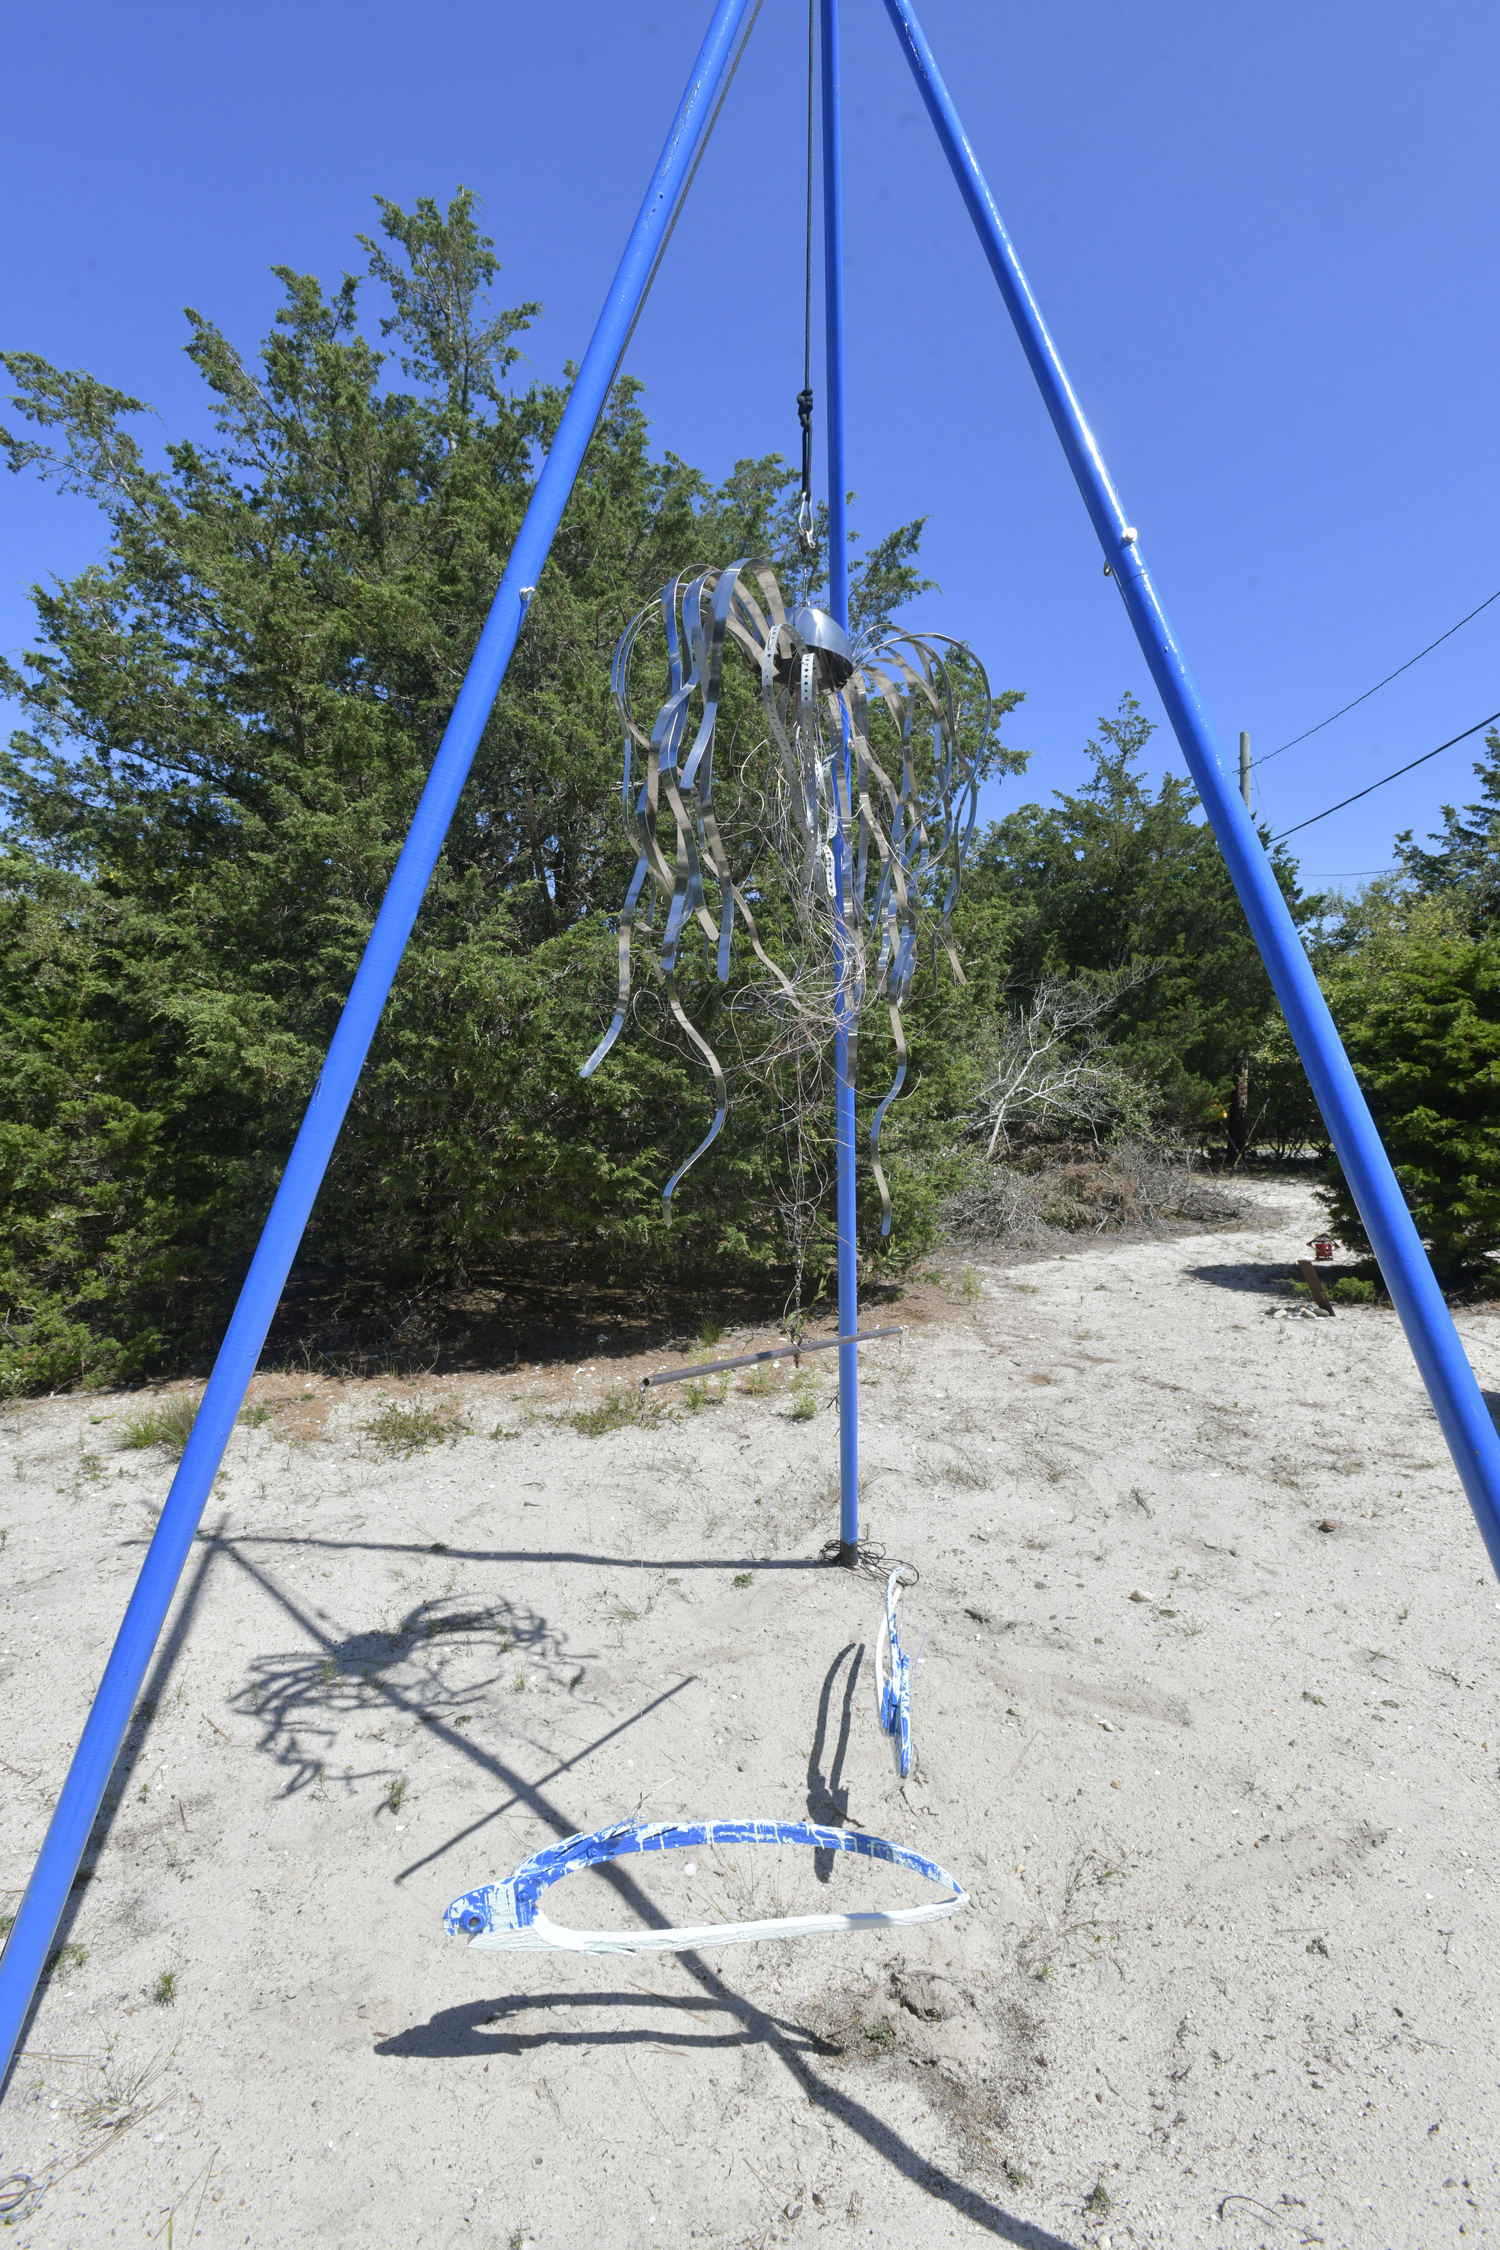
[867, 848]
[505, 1916]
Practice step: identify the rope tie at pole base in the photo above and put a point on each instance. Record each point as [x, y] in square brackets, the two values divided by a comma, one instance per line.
[870, 1557]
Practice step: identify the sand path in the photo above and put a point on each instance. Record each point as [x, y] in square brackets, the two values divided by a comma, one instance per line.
[1224, 1785]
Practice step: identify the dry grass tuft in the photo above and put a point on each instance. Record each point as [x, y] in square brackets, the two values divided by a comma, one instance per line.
[408, 1425]
[166, 1424]
[620, 1411]
[962, 1470]
[118, 2096]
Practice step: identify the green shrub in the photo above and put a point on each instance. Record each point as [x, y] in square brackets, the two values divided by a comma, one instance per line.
[1352, 1291]
[1283, 1117]
[804, 1397]
[1117, 872]
[225, 725]
[1420, 1019]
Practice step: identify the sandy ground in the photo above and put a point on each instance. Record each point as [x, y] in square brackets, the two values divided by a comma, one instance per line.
[1222, 1780]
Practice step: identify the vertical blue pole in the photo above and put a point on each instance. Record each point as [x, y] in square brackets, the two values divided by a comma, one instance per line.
[83, 1790]
[1404, 1265]
[838, 597]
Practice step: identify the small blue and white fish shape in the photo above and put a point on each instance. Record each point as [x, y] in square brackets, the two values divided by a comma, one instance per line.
[893, 1669]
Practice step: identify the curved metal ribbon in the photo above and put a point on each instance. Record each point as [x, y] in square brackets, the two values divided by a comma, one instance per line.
[505, 1915]
[904, 835]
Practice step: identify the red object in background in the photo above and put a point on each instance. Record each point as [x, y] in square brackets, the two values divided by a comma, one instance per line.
[1323, 1248]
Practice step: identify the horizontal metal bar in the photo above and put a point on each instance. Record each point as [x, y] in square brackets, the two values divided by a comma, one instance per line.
[793, 1352]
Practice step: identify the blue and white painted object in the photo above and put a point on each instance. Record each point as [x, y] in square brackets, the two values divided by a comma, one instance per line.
[507, 1915]
[893, 1675]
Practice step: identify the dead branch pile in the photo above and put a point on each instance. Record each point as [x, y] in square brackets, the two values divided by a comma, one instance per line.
[1052, 1190]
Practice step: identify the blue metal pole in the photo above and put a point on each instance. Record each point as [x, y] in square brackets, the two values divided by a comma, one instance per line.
[1403, 1263]
[838, 597]
[83, 1790]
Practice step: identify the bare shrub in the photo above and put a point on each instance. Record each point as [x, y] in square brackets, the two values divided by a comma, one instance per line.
[1051, 1066]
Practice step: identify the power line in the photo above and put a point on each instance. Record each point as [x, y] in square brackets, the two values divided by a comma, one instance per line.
[1380, 784]
[1379, 684]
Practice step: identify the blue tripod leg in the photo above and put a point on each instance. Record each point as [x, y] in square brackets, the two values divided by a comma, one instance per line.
[83, 1790]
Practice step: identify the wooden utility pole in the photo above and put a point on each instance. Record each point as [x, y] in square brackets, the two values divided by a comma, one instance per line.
[1238, 1121]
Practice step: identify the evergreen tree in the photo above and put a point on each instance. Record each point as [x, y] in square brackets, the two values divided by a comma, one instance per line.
[1467, 861]
[1417, 1005]
[1112, 875]
[229, 719]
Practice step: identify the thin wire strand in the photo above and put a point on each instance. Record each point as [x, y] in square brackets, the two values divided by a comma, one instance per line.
[1380, 784]
[682, 199]
[1379, 684]
[807, 297]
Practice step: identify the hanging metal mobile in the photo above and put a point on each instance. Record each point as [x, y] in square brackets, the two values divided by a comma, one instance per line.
[863, 793]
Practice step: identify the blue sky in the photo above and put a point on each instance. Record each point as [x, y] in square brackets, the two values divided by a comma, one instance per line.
[1265, 241]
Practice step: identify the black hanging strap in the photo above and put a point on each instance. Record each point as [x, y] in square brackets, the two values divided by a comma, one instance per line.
[806, 537]
[804, 416]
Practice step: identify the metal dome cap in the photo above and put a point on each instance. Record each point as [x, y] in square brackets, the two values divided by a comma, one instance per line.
[817, 634]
